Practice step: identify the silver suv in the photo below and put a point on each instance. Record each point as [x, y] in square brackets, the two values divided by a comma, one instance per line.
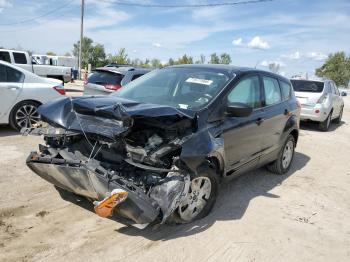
[320, 101]
[105, 80]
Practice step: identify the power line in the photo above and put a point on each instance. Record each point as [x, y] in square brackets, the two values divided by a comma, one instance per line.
[122, 3]
[40, 16]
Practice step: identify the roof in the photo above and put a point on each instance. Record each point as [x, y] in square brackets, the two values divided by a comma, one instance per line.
[229, 69]
[123, 69]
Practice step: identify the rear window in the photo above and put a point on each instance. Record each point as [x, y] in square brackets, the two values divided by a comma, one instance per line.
[307, 86]
[5, 56]
[105, 77]
[20, 58]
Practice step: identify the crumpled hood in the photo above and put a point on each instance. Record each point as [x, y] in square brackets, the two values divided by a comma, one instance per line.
[104, 115]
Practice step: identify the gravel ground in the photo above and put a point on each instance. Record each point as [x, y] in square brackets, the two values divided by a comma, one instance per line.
[302, 216]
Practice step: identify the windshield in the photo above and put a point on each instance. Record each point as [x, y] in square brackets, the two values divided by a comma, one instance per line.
[307, 86]
[187, 88]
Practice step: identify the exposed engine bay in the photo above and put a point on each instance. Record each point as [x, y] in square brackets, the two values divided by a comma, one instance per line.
[140, 157]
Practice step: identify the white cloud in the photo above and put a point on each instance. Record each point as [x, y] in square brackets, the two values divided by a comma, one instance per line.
[4, 4]
[293, 56]
[266, 63]
[258, 43]
[316, 56]
[237, 42]
[210, 13]
[158, 45]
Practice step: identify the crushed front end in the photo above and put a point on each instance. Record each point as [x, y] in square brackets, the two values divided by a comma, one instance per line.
[115, 150]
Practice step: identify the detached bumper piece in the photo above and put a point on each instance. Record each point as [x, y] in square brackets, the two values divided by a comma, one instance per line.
[94, 182]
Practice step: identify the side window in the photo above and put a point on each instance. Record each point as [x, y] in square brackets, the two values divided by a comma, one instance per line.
[14, 75]
[3, 74]
[136, 76]
[5, 56]
[20, 58]
[246, 91]
[286, 90]
[272, 91]
[336, 91]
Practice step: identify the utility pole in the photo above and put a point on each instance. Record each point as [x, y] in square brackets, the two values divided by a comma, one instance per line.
[81, 36]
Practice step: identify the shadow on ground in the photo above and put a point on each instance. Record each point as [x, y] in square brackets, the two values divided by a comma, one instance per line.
[232, 202]
[6, 130]
[314, 126]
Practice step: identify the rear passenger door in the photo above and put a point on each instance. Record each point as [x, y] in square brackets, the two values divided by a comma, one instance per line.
[276, 111]
[336, 100]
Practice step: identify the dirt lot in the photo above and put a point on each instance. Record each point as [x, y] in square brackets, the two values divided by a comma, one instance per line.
[302, 216]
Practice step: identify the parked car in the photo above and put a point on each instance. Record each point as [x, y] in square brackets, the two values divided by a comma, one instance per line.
[320, 101]
[25, 61]
[21, 93]
[157, 149]
[105, 80]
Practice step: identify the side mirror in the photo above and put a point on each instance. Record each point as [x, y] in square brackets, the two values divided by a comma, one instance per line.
[238, 110]
[344, 93]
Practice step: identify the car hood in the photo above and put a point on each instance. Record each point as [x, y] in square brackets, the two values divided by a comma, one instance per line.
[105, 115]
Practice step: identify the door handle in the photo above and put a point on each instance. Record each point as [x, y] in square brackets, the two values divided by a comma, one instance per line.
[259, 121]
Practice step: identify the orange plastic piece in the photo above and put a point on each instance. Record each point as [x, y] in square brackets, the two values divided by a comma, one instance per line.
[105, 207]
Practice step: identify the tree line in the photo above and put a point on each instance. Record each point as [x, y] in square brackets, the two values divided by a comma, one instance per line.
[94, 54]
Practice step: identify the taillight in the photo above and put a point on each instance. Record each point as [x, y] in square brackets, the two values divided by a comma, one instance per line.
[113, 87]
[60, 90]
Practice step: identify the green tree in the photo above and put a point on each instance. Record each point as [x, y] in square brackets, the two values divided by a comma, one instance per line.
[50, 53]
[214, 59]
[185, 59]
[155, 63]
[93, 54]
[225, 58]
[337, 68]
[121, 57]
[67, 54]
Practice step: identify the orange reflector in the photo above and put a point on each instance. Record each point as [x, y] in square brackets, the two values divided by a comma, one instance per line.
[105, 207]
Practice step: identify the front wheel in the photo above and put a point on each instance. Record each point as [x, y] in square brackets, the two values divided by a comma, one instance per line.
[285, 157]
[24, 114]
[200, 198]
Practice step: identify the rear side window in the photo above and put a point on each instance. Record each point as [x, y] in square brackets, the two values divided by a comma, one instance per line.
[20, 58]
[136, 76]
[307, 86]
[5, 56]
[14, 76]
[3, 74]
[247, 91]
[286, 90]
[105, 78]
[272, 91]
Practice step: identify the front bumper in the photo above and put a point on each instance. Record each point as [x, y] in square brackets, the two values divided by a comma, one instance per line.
[82, 180]
[315, 112]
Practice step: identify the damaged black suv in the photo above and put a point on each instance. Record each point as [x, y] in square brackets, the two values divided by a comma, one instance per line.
[157, 149]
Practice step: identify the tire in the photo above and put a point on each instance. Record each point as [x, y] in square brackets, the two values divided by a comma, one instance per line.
[181, 215]
[324, 126]
[24, 114]
[338, 119]
[280, 165]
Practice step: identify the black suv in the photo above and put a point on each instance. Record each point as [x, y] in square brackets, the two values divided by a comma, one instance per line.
[157, 149]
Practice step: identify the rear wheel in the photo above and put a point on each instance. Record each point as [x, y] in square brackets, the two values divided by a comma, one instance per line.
[24, 114]
[338, 119]
[324, 126]
[285, 157]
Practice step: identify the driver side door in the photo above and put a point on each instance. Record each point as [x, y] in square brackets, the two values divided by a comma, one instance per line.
[242, 135]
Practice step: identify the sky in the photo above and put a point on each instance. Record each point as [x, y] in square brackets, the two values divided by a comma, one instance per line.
[297, 34]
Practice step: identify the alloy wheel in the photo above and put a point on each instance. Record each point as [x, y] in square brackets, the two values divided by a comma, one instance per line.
[27, 115]
[287, 154]
[196, 199]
